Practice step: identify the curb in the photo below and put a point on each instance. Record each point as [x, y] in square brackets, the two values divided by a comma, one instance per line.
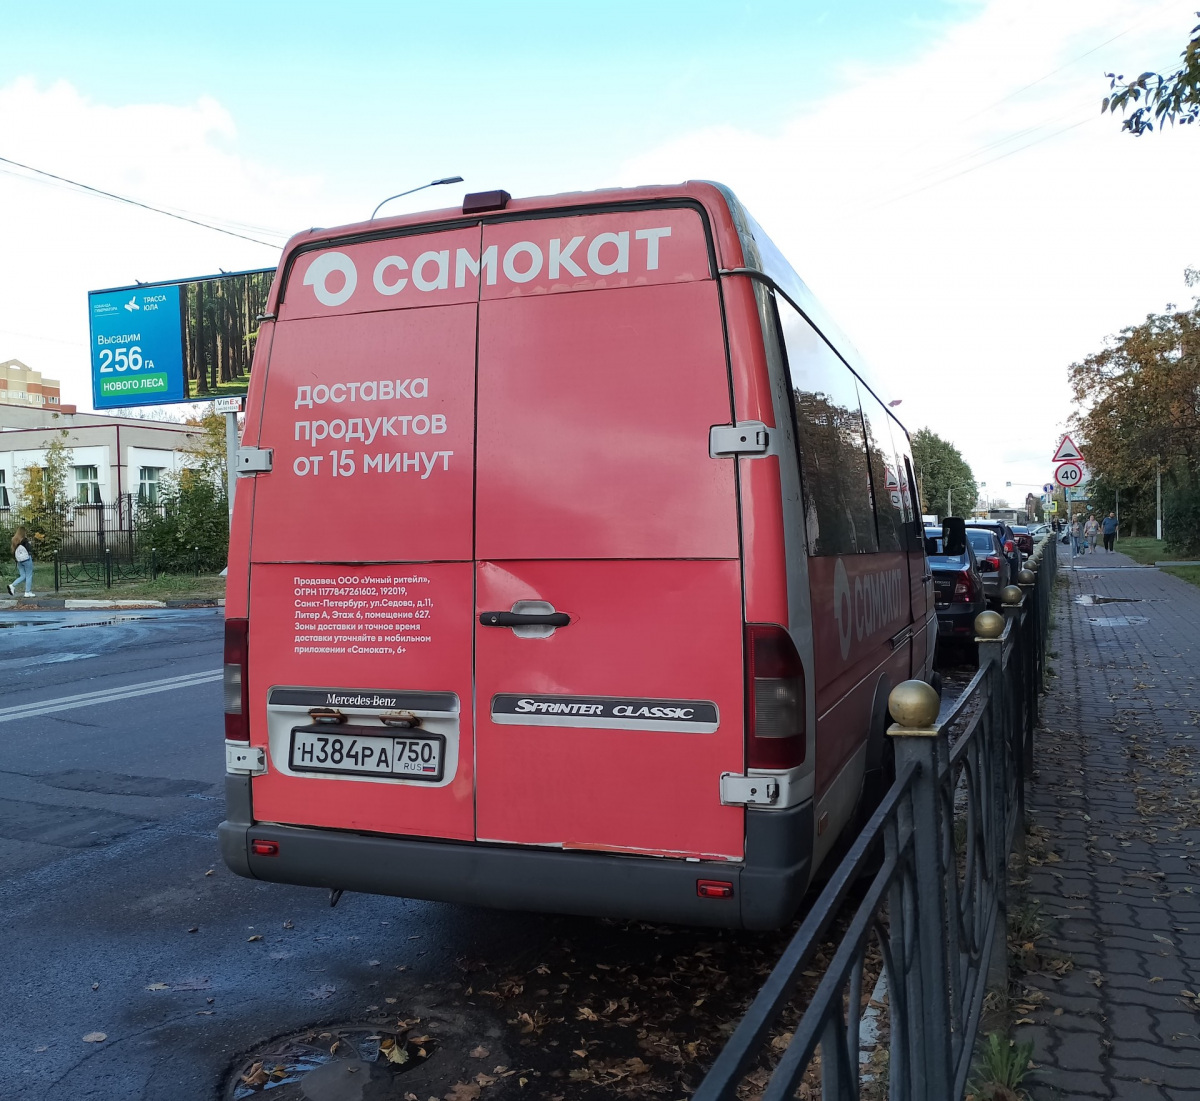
[53, 604]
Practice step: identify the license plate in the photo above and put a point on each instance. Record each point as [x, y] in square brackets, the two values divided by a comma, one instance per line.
[342, 750]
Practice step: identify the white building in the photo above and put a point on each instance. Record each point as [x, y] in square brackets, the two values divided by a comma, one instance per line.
[111, 456]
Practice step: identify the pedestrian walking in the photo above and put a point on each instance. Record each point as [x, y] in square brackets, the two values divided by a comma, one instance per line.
[1076, 538]
[23, 554]
[1109, 527]
[1092, 531]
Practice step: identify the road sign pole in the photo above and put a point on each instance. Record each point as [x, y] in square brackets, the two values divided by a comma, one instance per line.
[231, 448]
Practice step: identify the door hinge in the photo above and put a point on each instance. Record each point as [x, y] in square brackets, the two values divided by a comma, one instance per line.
[244, 760]
[254, 460]
[744, 438]
[748, 791]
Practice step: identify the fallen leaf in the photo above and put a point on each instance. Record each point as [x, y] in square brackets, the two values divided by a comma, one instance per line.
[257, 1075]
[463, 1091]
[194, 929]
[484, 1079]
[288, 925]
[158, 986]
[392, 1051]
[324, 991]
[1164, 940]
[209, 872]
[257, 936]
[39, 1050]
[95, 986]
[480, 1053]
[372, 963]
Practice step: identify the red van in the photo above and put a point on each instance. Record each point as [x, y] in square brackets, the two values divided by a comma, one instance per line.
[573, 558]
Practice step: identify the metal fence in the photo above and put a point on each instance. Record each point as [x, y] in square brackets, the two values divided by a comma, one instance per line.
[934, 857]
[99, 544]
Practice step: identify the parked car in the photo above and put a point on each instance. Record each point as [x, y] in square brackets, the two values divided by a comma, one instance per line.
[1024, 539]
[994, 565]
[1006, 539]
[958, 585]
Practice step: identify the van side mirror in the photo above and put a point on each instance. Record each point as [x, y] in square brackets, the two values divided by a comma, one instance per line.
[954, 535]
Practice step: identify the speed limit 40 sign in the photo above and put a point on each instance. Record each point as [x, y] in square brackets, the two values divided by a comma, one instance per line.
[1069, 474]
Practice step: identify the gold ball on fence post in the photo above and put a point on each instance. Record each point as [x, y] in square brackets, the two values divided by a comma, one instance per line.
[989, 625]
[1010, 594]
[1026, 577]
[914, 703]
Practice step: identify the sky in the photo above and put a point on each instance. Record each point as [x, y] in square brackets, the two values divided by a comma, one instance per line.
[938, 171]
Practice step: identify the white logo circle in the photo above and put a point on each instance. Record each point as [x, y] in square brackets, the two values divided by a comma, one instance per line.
[842, 606]
[319, 270]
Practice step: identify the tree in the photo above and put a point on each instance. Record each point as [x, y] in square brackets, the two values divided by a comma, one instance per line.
[1141, 402]
[189, 528]
[42, 499]
[941, 469]
[1172, 98]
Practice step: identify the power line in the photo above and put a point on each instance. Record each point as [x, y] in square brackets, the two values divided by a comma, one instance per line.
[983, 164]
[134, 202]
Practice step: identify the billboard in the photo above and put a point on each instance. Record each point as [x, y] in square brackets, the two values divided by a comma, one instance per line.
[190, 340]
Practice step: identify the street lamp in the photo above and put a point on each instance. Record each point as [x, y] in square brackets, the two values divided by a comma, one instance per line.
[411, 190]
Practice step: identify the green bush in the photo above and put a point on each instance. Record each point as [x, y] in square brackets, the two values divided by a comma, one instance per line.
[1181, 516]
[191, 529]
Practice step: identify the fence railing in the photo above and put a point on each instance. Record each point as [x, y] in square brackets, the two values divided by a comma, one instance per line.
[918, 950]
[102, 544]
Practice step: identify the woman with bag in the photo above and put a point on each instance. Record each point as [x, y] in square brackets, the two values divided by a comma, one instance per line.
[24, 555]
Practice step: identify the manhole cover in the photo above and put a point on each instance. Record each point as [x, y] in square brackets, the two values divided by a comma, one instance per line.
[339, 1063]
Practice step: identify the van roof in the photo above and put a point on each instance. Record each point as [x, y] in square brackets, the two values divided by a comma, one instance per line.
[729, 220]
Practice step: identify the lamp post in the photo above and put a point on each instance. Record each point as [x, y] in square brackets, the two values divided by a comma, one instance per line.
[412, 190]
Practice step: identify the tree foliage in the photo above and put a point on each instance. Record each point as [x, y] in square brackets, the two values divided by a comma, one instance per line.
[1140, 400]
[191, 528]
[1171, 98]
[940, 468]
[42, 497]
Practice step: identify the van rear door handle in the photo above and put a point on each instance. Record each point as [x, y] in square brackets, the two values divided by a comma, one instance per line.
[524, 619]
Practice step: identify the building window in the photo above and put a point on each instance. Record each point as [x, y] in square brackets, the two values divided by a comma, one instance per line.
[3, 492]
[87, 486]
[148, 484]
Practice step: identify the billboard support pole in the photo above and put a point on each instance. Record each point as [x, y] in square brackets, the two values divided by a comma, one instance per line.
[231, 449]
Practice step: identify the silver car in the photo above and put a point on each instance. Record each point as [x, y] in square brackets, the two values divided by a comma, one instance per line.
[993, 564]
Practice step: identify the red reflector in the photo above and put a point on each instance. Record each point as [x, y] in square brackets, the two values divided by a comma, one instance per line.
[264, 848]
[714, 888]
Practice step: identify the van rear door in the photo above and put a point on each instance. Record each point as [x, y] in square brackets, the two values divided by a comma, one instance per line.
[597, 502]
[362, 581]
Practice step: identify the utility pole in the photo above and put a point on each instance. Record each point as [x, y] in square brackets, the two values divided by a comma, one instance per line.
[1158, 517]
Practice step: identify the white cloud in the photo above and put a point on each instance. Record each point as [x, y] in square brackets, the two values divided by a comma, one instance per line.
[973, 285]
[58, 243]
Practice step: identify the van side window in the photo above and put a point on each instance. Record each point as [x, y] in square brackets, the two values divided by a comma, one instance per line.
[833, 453]
[885, 475]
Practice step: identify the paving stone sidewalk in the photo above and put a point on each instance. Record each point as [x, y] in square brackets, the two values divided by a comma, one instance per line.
[1116, 797]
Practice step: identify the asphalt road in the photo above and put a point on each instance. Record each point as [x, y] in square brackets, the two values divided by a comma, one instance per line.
[113, 885]
[119, 917]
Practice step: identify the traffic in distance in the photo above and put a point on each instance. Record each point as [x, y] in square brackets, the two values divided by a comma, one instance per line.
[637, 557]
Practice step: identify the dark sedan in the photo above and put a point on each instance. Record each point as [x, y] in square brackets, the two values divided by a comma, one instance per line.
[958, 588]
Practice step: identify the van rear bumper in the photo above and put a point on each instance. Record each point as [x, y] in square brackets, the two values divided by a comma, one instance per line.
[765, 895]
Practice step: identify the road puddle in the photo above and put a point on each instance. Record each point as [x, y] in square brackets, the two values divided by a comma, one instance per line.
[1119, 620]
[341, 1063]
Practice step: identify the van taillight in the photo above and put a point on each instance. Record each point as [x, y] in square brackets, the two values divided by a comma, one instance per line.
[775, 704]
[237, 702]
